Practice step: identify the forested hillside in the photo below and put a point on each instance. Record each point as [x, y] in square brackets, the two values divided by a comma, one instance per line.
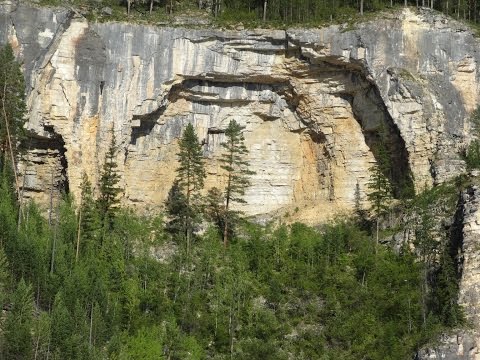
[87, 279]
[131, 290]
[273, 12]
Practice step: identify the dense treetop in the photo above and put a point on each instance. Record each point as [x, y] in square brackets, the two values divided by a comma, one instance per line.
[258, 13]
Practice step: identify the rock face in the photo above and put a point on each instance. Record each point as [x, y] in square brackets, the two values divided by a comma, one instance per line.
[315, 104]
[464, 344]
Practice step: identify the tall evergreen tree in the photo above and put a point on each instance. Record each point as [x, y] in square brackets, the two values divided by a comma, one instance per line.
[108, 196]
[4, 278]
[12, 108]
[215, 207]
[18, 324]
[88, 217]
[380, 195]
[190, 178]
[176, 209]
[236, 166]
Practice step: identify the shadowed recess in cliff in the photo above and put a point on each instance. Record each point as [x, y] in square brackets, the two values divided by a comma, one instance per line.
[455, 245]
[383, 138]
[50, 153]
[142, 125]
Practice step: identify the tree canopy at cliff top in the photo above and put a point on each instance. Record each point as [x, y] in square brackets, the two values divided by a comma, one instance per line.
[257, 13]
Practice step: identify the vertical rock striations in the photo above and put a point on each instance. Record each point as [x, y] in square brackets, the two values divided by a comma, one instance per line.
[315, 103]
[464, 344]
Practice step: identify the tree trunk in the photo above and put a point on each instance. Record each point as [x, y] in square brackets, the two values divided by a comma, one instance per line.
[9, 141]
[227, 205]
[265, 11]
[225, 233]
[361, 7]
[91, 326]
[50, 219]
[79, 231]
[51, 203]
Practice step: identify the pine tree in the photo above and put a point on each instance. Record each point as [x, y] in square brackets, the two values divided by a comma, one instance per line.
[190, 178]
[108, 197]
[215, 207]
[176, 209]
[18, 324]
[233, 161]
[88, 217]
[380, 195]
[12, 109]
[4, 277]
[62, 327]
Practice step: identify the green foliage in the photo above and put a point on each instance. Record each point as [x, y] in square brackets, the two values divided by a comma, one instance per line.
[191, 172]
[147, 344]
[288, 292]
[236, 166]
[12, 101]
[176, 209]
[17, 334]
[380, 193]
[279, 13]
[215, 208]
[184, 198]
[108, 184]
[233, 161]
[89, 219]
[472, 153]
[4, 276]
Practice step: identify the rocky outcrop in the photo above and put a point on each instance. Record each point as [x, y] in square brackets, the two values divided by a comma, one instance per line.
[464, 343]
[314, 103]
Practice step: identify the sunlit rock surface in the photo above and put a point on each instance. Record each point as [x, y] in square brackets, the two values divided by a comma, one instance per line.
[314, 104]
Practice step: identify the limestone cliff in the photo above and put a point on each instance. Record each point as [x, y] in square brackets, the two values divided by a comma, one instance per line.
[313, 103]
[464, 344]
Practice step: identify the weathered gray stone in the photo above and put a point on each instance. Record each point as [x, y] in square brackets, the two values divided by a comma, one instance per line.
[107, 11]
[312, 102]
[464, 343]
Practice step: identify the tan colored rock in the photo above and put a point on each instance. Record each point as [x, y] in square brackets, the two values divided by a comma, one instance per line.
[312, 102]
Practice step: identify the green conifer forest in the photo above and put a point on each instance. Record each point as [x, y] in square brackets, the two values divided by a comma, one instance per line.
[276, 13]
[93, 280]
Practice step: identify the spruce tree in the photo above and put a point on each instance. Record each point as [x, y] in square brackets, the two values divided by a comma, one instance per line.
[380, 195]
[190, 178]
[4, 277]
[215, 207]
[234, 163]
[18, 324]
[12, 108]
[176, 209]
[109, 191]
[88, 218]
